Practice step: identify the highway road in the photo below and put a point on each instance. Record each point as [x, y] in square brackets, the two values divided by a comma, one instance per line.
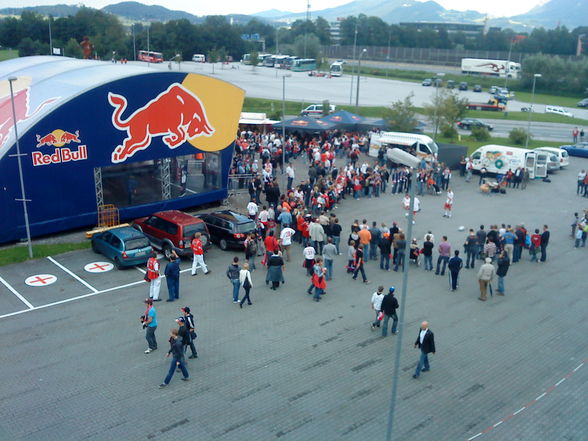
[263, 82]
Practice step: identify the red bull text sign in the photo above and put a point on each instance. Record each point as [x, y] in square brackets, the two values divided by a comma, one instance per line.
[58, 138]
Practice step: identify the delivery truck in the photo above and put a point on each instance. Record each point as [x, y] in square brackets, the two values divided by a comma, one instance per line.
[495, 68]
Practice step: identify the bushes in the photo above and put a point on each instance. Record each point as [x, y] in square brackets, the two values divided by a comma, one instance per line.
[518, 136]
[448, 131]
[480, 134]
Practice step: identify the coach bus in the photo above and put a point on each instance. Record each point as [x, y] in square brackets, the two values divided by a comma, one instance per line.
[419, 145]
[304, 65]
[150, 56]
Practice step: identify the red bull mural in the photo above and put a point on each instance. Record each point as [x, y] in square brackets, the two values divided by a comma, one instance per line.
[175, 114]
[58, 138]
[22, 109]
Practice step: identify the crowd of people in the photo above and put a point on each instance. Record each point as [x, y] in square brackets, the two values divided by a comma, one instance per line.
[302, 214]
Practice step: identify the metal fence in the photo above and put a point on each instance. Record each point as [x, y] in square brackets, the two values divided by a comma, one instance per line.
[442, 57]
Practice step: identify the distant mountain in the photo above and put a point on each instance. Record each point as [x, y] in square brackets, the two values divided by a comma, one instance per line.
[391, 11]
[571, 13]
[55, 10]
[272, 13]
[139, 12]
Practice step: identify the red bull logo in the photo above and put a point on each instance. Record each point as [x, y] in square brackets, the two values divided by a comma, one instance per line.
[22, 110]
[175, 114]
[58, 138]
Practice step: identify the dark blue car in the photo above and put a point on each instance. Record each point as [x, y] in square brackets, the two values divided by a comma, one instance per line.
[580, 149]
[125, 246]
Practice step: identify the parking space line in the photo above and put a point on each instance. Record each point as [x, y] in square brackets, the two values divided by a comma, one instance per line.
[82, 281]
[16, 293]
[60, 302]
[142, 271]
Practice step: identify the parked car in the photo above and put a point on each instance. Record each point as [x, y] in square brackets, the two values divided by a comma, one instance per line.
[580, 149]
[493, 89]
[477, 88]
[438, 82]
[227, 228]
[427, 82]
[469, 123]
[558, 111]
[527, 109]
[125, 246]
[583, 103]
[173, 230]
[316, 110]
[563, 158]
[450, 84]
[463, 85]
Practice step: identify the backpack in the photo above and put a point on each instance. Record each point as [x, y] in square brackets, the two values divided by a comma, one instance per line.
[252, 247]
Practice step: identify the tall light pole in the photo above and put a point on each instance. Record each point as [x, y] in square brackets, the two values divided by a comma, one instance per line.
[134, 44]
[439, 76]
[364, 50]
[23, 199]
[50, 37]
[353, 65]
[388, 55]
[508, 63]
[402, 157]
[535, 76]
[283, 125]
[148, 55]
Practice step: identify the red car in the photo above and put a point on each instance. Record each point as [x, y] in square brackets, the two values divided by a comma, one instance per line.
[173, 230]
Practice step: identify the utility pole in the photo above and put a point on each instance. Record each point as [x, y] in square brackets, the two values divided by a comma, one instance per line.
[353, 65]
[50, 37]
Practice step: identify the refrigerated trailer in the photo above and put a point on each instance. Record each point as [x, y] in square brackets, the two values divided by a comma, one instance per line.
[496, 68]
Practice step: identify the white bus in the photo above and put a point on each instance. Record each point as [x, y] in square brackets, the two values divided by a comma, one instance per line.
[496, 68]
[419, 145]
[337, 68]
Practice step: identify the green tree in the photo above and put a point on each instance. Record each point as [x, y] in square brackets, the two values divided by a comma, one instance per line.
[73, 49]
[480, 134]
[254, 59]
[309, 42]
[401, 115]
[446, 108]
[323, 31]
[518, 136]
[27, 47]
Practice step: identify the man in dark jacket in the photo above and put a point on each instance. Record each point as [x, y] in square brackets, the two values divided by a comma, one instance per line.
[471, 249]
[503, 264]
[544, 243]
[385, 246]
[190, 324]
[426, 342]
[389, 306]
[177, 352]
[374, 241]
[233, 275]
[455, 264]
[481, 235]
[172, 278]
[519, 244]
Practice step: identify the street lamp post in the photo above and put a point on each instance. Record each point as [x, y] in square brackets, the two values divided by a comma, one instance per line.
[535, 76]
[440, 75]
[402, 157]
[134, 44]
[283, 127]
[358, 78]
[353, 66]
[23, 199]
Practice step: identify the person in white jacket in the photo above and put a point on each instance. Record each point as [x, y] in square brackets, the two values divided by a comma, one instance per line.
[246, 284]
[317, 235]
[485, 276]
[376, 301]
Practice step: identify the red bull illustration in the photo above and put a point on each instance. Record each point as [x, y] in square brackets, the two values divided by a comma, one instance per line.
[58, 138]
[21, 106]
[176, 114]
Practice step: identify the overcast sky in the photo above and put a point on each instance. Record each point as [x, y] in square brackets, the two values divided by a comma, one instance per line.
[198, 7]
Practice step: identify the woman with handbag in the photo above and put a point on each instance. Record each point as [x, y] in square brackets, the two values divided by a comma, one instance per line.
[246, 284]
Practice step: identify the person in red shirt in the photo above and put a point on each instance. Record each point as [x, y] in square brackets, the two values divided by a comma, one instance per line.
[154, 277]
[271, 245]
[198, 255]
[535, 245]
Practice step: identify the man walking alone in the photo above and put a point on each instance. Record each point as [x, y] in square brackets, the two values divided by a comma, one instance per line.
[388, 307]
[455, 264]
[426, 342]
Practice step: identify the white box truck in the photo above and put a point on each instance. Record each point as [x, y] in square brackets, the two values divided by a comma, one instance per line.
[498, 159]
[496, 68]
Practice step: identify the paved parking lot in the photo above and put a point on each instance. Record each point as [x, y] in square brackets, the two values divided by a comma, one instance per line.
[288, 368]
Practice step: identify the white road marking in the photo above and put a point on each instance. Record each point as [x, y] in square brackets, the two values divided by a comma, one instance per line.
[519, 411]
[82, 281]
[498, 424]
[576, 370]
[141, 270]
[560, 381]
[16, 293]
[475, 436]
[540, 396]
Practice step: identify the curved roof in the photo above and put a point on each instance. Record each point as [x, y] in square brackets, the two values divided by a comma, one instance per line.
[45, 82]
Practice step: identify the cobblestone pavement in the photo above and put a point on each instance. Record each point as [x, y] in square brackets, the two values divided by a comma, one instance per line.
[288, 368]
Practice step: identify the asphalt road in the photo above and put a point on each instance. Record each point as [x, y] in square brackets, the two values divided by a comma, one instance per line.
[513, 368]
[262, 82]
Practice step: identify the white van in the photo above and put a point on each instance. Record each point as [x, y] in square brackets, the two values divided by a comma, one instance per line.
[561, 154]
[423, 146]
[499, 159]
[199, 58]
[316, 110]
[558, 111]
[337, 68]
